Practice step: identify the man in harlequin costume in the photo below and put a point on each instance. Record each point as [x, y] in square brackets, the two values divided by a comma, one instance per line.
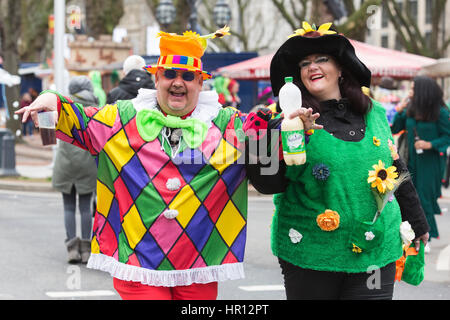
[171, 185]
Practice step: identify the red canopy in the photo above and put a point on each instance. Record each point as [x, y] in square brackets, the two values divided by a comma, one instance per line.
[381, 62]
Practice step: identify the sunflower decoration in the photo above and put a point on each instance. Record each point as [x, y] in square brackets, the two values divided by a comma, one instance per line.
[220, 33]
[306, 27]
[356, 249]
[384, 182]
[165, 34]
[191, 34]
[376, 141]
[382, 178]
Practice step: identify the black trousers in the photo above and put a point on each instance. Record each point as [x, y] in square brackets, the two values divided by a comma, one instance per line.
[307, 284]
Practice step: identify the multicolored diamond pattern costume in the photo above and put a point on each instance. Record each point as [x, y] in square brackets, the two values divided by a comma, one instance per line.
[163, 221]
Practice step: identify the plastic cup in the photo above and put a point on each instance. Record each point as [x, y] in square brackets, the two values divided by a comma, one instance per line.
[47, 121]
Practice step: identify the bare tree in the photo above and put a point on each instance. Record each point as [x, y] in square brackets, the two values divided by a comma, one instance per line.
[250, 32]
[10, 18]
[181, 19]
[411, 36]
[34, 35]
[297, 11]
[24, 35]
[102, 16]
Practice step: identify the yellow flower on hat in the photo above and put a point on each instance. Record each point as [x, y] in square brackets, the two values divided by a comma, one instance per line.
[165, 34]
[323, 29]
[184, 52]
[222, 32]
[192, 34]
[196, 36]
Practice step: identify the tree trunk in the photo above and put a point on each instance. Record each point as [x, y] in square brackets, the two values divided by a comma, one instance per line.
[10, 33]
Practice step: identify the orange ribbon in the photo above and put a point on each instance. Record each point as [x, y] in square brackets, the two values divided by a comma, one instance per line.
[400, 263]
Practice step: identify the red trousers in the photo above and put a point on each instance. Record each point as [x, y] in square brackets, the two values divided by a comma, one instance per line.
[129, 290]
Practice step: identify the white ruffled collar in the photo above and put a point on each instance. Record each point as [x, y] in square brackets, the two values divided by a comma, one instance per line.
[207, 109]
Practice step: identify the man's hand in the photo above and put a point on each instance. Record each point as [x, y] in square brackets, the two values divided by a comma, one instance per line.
[45, 102]
[308, 118]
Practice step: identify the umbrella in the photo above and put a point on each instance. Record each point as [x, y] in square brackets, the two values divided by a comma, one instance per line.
[440, 69]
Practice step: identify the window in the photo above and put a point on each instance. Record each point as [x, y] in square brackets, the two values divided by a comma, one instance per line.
[428, 11]
[398, 43]
[413, 9]
[428, 38]
[384, 17]
[385, 41]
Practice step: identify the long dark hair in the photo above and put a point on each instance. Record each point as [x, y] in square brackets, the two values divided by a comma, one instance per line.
[427, 100]
[350, 89]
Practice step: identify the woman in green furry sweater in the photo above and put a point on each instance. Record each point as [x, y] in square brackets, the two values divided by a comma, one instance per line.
[336, 227]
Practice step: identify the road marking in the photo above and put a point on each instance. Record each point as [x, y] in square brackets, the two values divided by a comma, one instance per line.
[260, 198]
[79, 294]
[263, 288]
[443, 262]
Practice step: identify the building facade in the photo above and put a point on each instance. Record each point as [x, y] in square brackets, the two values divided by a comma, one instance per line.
[382, 32]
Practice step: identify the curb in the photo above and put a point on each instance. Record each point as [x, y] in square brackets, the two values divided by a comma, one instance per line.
[26, 185]
[34, 153]
[34, 186]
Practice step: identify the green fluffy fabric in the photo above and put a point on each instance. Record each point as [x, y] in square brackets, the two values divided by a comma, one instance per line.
[345, 191]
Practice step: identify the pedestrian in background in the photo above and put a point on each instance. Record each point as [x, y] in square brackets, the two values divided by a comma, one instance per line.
[74, 175]
[96, 80]
[425, 117]
[28, 126]
[228, 96]
[329, 228]
[135, 78]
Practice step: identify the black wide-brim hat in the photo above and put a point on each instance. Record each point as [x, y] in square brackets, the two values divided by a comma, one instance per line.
[286, 59]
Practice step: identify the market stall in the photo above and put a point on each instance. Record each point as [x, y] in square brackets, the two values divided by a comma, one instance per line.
[382, 62]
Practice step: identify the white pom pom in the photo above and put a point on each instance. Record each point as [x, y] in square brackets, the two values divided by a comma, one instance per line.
[173, 184]
[171, 213]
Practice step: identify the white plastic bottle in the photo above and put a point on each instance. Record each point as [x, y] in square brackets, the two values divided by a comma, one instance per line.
[292, 131]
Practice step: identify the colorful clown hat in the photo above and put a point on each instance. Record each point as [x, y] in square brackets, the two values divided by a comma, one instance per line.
[184, 52]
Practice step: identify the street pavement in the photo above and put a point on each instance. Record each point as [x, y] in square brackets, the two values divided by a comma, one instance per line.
[36, 206]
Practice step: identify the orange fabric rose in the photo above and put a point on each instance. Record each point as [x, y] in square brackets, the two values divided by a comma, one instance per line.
[328, 221]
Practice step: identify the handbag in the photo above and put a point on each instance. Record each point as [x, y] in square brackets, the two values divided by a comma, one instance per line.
[410, 268]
